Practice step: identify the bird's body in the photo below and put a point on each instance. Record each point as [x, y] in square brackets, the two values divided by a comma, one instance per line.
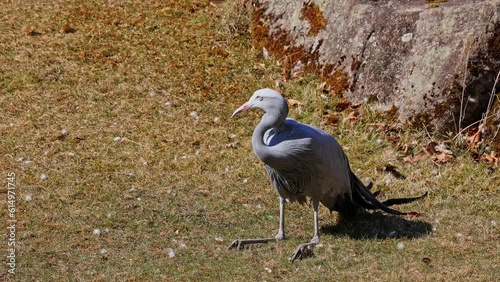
[303, 162]
[301, 158]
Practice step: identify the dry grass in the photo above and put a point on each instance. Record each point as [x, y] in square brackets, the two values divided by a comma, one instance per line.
[106, 69]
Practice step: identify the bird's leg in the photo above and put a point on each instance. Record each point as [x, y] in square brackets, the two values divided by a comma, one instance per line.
[241, 243]
[304, 250]
[281, 231]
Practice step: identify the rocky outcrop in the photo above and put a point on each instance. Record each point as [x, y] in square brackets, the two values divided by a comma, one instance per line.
[410, 54]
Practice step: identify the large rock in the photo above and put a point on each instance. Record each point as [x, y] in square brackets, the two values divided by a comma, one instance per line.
[410, 54]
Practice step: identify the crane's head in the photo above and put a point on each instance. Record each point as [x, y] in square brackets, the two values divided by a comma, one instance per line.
[266, 99]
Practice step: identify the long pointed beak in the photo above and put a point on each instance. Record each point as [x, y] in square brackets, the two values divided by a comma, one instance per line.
[242, 108]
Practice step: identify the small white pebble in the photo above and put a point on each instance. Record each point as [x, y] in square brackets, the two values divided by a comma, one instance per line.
[168, 103]
[268, 269]
[245, 180]
[219, 239]
[103, 251]
[459, 235]
[106, 230]
[138, 198]
[258, 206]
[45, 153]
[11, 124]
[400, 246]
[27, 198]
[407, 37]
[197, 152]
[170, 252]
[194, 115]
[379, 141]
[145, 163]
[109, 215]
[232, 136]
[96, 231]
[43, 176]
[216, 119]
[71, 154]
[117, 138]
[64, 131]
[434, 229]
[265, 53]
[226, 169]
[493, 223]
[27, 162]
[152, 93]
[182, 245]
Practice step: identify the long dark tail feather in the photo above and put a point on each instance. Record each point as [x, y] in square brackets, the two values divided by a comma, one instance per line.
[362, 197]
[400, 201]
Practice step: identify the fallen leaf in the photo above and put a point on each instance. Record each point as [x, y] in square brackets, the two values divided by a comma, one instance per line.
[294, 103]
[394, 138]
[431, 147]
[442, 158]
[392, 112]
[411, 215]
[406, 148]
[342, 105]
[353, 116]
[491, 158]
[232, 145]
[331, 118]
[67, 28]
[415, 159]
[474, 140]
[323, 87]
[408, 159]
[32, 32]
[380, 125]
[420, 157]
[426, 260]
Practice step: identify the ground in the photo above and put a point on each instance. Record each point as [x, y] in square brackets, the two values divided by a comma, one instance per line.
[116, 134]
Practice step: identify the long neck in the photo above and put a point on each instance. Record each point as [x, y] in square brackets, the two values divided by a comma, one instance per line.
[267, 122]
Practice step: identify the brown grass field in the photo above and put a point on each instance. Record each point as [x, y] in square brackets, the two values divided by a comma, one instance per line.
[116, 179]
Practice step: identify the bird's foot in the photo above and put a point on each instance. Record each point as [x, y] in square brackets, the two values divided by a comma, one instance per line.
[303, 251]
[243, 243]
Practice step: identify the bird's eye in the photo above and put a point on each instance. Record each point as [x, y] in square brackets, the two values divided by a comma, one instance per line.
[260, 98]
